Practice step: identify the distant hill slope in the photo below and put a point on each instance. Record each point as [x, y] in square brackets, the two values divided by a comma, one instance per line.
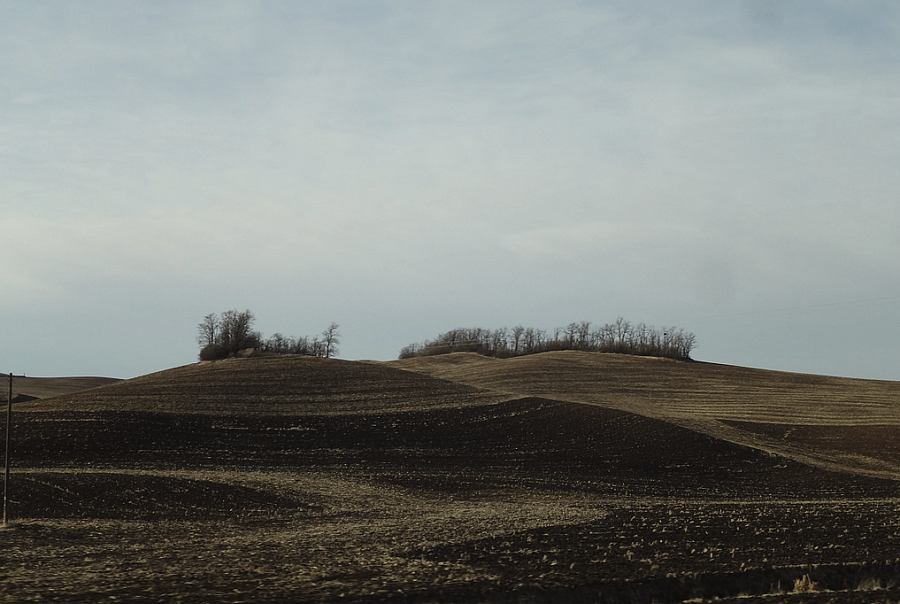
[835, 424]
[267, 385]
[26, 388]
[839, 423]
[665, 388]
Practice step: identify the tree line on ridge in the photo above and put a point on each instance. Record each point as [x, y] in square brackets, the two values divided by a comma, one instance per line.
[228, 334]
[618, 337]
[232, 334]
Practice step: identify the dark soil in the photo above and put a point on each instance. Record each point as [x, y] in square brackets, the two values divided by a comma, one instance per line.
[142, 496]
[529, 443]
[877, 442]
[335, 481]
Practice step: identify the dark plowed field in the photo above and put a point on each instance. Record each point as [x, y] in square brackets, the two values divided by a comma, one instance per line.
[313, 480]
[143, 496]
[878, 444]
[529, 443]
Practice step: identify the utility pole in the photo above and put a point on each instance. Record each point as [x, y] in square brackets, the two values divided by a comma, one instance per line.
[9, 398]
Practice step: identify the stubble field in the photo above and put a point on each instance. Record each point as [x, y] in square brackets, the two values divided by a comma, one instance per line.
[562, 477]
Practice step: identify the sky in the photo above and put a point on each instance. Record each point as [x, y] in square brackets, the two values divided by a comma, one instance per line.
[728, 167]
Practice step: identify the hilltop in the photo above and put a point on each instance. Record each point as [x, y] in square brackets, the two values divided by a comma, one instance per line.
[290, 384]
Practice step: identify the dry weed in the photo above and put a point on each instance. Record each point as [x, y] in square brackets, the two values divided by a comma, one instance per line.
[806, 585]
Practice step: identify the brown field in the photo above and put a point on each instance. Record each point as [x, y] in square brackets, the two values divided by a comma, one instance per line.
[561, 477]
[28, 388]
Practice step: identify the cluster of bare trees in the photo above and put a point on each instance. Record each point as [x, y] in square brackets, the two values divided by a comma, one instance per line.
[316, 346]
[620, 336]
[221, 336]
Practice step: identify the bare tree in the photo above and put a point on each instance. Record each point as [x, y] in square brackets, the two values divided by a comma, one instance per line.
[237, 330]
[622, 327]
[331, 339]
[317, 347]
[499, 340]
[517, 333]
[583, 335]
[688, 343]
[413, 350]
[208, 330]
[279, 344]
[303, 346]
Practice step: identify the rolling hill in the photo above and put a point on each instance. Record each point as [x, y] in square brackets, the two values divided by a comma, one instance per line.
[292, 385]
[664, 388]
[458, 478]
[612, 421]
[838, 423]
[28, 388]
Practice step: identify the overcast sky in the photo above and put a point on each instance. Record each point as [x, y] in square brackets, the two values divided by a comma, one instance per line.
[404, 168]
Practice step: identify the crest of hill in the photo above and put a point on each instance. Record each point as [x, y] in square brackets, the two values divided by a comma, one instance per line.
[271, 385]
[664, 388]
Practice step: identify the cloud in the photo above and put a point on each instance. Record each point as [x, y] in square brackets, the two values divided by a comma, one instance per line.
[708, 157]
[599, 238]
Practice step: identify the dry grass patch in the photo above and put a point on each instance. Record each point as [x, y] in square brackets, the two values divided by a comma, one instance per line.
[675, 390]
[45, 387]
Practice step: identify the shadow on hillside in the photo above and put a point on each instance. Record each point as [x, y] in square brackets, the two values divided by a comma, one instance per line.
[528, 443]
[136, 496]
